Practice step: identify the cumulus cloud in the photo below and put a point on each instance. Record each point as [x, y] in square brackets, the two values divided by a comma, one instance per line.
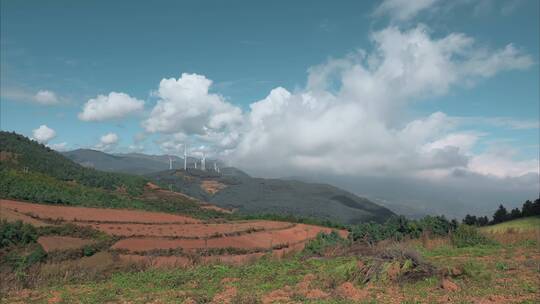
[186, 106]
[43, 134]
[42, 97]
[46, 97]
[113, 106]
[107, 142]
[349, 118]
[352, 117]
[403, 9]
[63, 146]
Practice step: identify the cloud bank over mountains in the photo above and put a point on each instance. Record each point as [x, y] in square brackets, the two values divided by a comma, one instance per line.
[353, 117]
[351, 110]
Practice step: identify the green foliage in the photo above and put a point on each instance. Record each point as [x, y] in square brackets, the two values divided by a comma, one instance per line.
[289, 218]
[466, 236]
[399, 227]
[22, 258]
[41, 188]
[89, 250]
[16, 233]
[531, 209]
[322, 242]
[72, 230]
[500, 215]
[34, 157]
[476, 271]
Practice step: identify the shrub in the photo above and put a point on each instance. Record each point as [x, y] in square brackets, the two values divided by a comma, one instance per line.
[467, 236]
[16, 233]
[322, 242]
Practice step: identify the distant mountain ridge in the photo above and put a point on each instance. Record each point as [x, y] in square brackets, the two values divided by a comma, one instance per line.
[235, 189]
[132, 163]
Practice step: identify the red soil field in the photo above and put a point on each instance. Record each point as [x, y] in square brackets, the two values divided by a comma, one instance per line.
[12, 216]
[146, 231]
[186, 231]
[257, 240]
[94, 214]
[52, 243]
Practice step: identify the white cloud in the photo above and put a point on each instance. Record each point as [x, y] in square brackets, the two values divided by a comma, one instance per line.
[186, 106]
[42, 97]
[107, 142]
[46, 97]
[348, 119]
[59, 146]
[403, 9]
[43, 134]
[115, 105]
[352, 117]
[501, 164]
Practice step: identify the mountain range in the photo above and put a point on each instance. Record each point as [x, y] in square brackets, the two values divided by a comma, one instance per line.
[234, 189]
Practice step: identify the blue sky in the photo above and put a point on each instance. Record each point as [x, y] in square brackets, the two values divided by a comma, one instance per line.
[72, 52]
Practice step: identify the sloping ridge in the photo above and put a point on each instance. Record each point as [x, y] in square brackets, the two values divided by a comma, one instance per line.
[274, 196]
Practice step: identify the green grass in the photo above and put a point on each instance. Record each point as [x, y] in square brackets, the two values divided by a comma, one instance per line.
[522, 224]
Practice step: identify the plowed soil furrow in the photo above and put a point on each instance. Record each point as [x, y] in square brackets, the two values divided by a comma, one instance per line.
[94, 214]
[258, 240]
[188, 231]
[12, 216]
[169, 240]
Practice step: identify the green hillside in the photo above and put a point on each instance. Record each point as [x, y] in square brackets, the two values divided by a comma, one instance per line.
[259, 196]
[522, 224]
[21, 153]
[32, 172]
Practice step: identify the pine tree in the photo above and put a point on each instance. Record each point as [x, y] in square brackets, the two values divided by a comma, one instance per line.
[500, 215]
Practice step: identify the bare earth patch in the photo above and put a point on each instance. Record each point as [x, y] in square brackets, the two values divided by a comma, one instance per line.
[52, 243]
[212, 186]
[93, 214]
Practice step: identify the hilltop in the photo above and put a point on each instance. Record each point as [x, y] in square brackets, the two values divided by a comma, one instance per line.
[131, 163]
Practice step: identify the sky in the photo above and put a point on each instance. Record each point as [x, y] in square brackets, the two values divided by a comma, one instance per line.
[436, 91]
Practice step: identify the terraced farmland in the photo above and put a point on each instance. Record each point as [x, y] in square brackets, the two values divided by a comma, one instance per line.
[166, 239]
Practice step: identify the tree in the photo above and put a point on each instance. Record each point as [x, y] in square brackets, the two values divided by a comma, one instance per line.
[483, 221]
[500, 215]
[527, 209]
[515, 213]
[470, 220]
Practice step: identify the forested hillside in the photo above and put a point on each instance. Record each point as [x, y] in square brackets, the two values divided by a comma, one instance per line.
[21, 153]
[235, 189]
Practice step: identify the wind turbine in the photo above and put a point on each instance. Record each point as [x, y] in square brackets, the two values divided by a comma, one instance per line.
[185, 157]
[203, 163]
[171, 161]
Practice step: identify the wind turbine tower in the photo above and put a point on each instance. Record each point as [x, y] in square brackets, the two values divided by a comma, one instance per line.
[171, 161]
[203, 163]
[185, 157]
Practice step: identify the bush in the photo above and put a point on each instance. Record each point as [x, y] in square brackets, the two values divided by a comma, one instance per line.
[467, 236]
[16, 233]
[399, 227]
[322, 242]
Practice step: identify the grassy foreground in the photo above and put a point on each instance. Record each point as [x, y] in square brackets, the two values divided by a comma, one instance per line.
[506, 271]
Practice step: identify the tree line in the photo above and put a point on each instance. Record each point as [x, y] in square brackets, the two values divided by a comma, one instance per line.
[502, 214]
